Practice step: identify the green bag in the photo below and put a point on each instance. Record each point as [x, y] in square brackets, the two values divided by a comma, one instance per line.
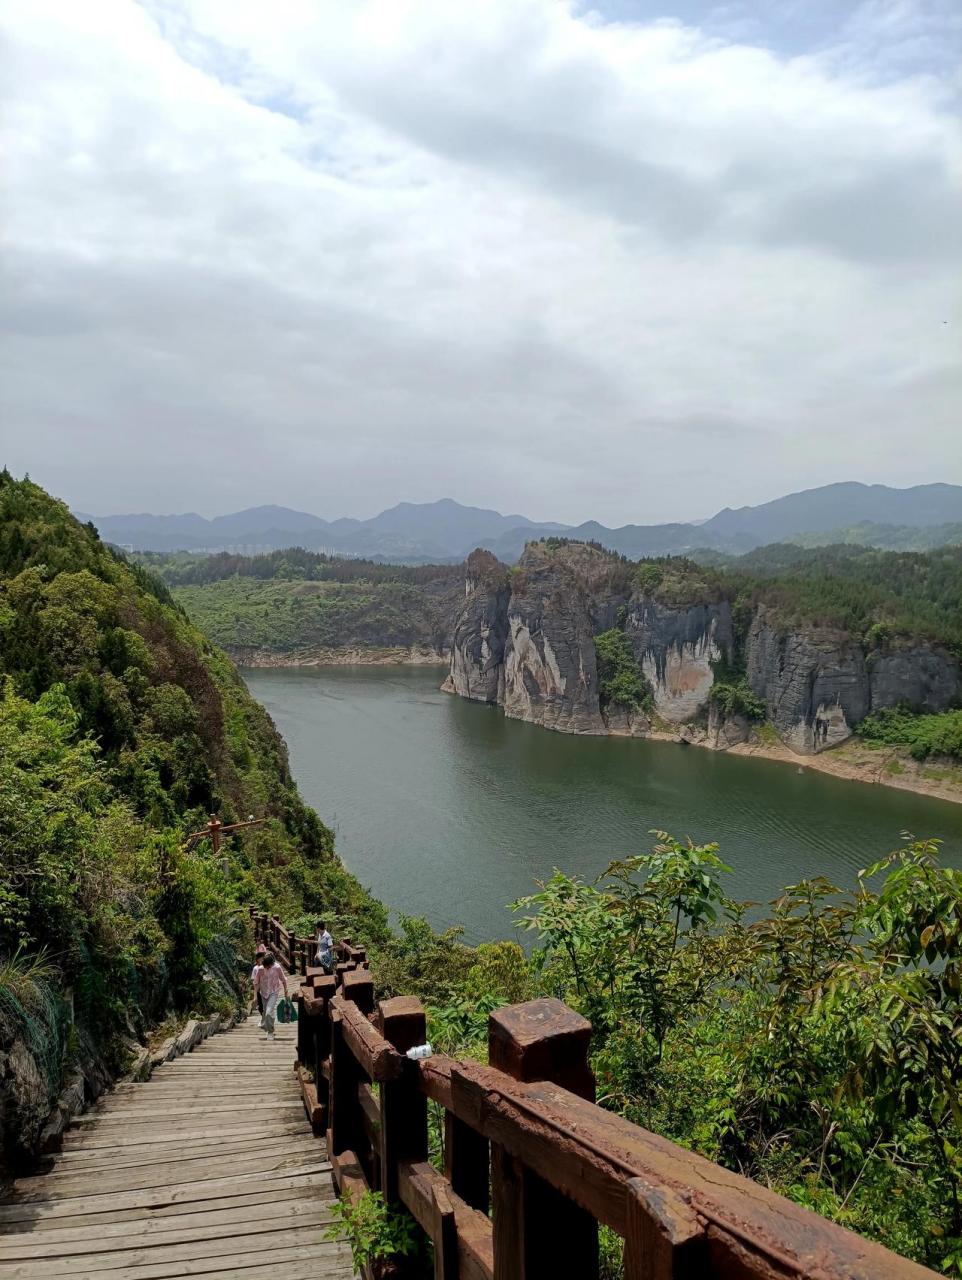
[286, 1011]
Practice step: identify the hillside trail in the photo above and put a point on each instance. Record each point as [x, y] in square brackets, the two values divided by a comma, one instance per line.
[209, 1168]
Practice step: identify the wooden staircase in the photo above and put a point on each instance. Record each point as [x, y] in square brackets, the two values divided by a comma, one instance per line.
[207, 1169]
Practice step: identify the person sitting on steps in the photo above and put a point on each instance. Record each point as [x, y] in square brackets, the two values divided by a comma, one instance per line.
[269, 981]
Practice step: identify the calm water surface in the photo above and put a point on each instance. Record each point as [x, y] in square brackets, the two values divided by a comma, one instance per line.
[448, 810]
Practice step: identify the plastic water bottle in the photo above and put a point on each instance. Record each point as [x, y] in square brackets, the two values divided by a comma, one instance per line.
[420, 1051]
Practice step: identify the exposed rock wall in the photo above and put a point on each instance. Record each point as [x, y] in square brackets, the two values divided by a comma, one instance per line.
[480, 632]
[927, 679]
[814, 682]
[818, 684]
[675, 649]
[524, 639]
[550, 676]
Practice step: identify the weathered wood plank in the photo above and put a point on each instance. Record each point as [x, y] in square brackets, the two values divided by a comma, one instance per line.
[167, 1174]
[93, 1139]
[107, 1158]
[428, 1196]
[213, 1188]
[70, 1241]
[588, 1154]
[262, 1237]
[378, 1059]
[298, 1188]
[229, 1264]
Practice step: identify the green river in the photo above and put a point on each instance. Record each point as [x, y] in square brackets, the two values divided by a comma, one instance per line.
[446, 809]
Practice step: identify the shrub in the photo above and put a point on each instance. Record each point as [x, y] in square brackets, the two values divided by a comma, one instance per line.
[620, 683]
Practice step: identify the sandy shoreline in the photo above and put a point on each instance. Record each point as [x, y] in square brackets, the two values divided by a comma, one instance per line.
[356, 656]
[855, 761]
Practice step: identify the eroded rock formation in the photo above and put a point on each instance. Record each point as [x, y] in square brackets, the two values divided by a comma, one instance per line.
[524, 639]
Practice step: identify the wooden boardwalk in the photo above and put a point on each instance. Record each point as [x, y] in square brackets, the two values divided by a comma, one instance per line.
[207, 1169]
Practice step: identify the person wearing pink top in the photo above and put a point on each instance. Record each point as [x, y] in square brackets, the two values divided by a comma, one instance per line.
[259, 955]
[269, 981]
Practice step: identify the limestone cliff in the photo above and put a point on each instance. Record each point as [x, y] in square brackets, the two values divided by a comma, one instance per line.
[675, 649]
[524, 639]
[818, 683]
[813, 682]
[480, 631]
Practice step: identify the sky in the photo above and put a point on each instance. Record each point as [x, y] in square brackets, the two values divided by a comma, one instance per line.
[632, 263]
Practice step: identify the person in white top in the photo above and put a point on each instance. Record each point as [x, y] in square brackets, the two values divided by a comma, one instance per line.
[269, 981]
[259, 955]
[324, 954]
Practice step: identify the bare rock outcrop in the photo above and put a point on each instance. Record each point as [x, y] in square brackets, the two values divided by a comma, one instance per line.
[818, 683]
[524, 639]
[813, 682]
[675, 649]
[480, 631]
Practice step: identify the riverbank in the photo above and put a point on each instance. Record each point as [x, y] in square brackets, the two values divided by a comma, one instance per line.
[341, 656]
[854, 760]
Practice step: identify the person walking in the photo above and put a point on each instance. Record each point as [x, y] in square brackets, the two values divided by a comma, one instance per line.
[325, 947]
[259, 955]
[269, 982]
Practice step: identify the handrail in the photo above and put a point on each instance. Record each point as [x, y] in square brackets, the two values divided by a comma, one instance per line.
[531, 1164]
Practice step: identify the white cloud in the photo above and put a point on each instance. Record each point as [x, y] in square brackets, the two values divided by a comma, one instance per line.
[335, 254]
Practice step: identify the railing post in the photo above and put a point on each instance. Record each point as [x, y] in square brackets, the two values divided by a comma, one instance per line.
[344, 1132]
[466, 1161]
[538, 1231]
[404, 1109]
[357, 985]
[664, 1239]
[323, 990]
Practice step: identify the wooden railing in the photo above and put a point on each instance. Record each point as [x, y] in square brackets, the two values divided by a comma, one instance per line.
[531, 1164]
[296, 953]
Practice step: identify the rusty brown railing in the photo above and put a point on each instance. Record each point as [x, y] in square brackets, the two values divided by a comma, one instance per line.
[531, 1164]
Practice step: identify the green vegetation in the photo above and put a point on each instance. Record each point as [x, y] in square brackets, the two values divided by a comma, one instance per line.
[185, 568]
[374, 1230]
[738, 698]
[282, 615]
[620, 682]
[818, 1050]
[911, 594]
[938, 734]
[121, 729]
[890, 537]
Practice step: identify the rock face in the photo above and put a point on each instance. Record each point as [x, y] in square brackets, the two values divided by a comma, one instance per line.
[818, 684]
[926, 679]
[480, 632]
[524, 639]
[814, 682]
[675, 649]
[727, 731]
[550, 676]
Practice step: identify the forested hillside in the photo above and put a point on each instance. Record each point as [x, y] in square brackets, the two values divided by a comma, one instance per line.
[301, 601]
[815, 1048]
[121, 730]
[915, 594]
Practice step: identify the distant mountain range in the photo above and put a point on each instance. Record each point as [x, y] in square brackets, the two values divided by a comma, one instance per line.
[447, 531]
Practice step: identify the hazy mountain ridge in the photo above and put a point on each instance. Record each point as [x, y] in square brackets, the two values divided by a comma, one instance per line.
[447, 531]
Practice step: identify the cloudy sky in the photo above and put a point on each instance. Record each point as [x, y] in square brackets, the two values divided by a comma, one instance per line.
[631, 262]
